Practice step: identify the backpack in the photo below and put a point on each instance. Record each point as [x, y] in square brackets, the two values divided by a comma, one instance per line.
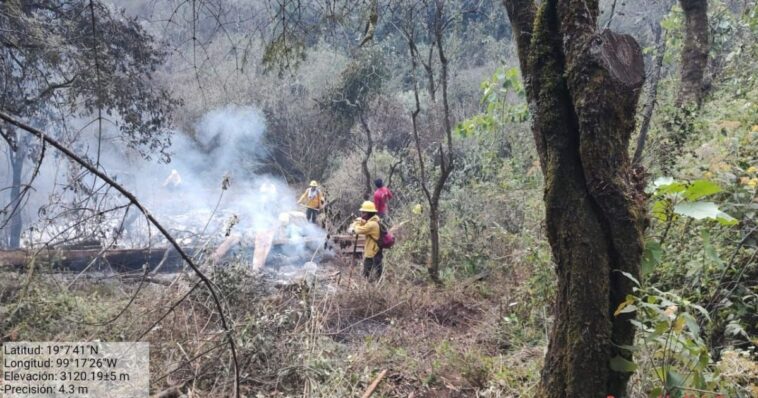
[386, 239]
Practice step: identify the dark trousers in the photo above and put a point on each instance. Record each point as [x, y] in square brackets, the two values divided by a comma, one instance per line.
[385, 218]
[372, 267]
[311, 214]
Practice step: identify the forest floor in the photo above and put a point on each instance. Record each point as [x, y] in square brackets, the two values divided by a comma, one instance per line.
[434, 341]
[325, 337]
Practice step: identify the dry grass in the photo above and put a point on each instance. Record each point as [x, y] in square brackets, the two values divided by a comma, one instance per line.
[435, 341]
[315, 340]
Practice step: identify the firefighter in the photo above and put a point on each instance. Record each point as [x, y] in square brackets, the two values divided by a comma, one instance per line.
[313, 199]
[382, 196]
[368, 225]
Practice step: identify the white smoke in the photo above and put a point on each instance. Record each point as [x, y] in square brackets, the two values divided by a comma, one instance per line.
[224, 149]
[227, 146]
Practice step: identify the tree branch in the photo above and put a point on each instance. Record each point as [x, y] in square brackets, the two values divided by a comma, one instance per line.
[612, 13]
[438, 32]
[9, 139]
[521, 14]
[50, 89]
[414, 118]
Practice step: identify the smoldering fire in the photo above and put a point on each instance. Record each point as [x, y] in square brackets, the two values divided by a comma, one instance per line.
[224, 148]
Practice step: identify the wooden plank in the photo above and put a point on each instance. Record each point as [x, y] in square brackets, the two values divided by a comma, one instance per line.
[263, 242]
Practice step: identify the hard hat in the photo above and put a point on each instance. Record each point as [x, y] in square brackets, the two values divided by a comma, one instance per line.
[314, 183]
[368, 207]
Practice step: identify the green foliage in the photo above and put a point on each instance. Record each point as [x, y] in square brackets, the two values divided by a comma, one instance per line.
[715, 168]
[669, 345]
[493, 204]
[651, 256]
[502, 103]
[474, 366]
[42, 309]
[672, 199]
[358, 83]
[677, 204]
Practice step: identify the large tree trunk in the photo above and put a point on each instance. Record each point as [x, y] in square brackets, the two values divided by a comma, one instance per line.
[694, 53]
[582, 87]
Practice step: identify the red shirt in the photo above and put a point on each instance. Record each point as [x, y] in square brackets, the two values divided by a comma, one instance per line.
[381, 197]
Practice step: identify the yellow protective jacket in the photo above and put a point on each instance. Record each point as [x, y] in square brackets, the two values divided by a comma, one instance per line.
[371, 229]
[316, 202]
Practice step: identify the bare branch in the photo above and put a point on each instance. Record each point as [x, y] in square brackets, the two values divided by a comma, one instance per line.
[612, 13]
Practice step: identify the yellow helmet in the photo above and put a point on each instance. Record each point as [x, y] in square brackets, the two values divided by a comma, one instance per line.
[368, 207]
[314, 183]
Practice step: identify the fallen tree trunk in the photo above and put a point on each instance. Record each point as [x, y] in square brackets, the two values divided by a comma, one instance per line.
[76, 260]
[125, 260]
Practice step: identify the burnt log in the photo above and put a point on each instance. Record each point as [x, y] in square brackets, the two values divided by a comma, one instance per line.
[131, 260]
[77, 260]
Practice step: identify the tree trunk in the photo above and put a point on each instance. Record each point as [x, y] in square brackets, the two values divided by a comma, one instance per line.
[694, 59]
[446, 160]
[16, 224]
[434, 238]
[582, 87]
[446, 157]
[364, 162]
[694, 53]
[428, 67]
[652, 95]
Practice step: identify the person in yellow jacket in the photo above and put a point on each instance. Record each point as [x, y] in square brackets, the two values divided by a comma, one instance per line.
[313, 199]
[368, 225]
